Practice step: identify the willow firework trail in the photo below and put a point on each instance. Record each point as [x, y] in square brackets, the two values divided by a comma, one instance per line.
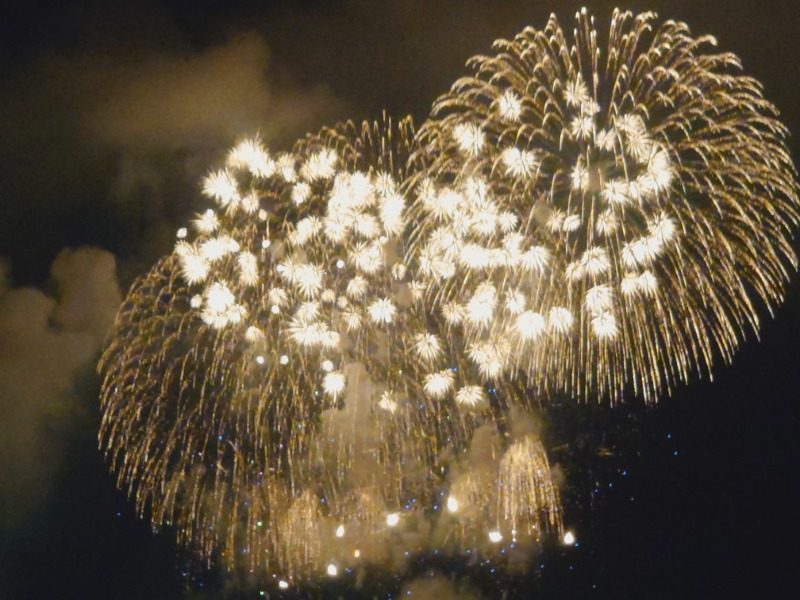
[604, 216]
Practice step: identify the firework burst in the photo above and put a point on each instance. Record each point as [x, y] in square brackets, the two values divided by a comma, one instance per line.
[277, 372]
[234, 359]
[609, 216]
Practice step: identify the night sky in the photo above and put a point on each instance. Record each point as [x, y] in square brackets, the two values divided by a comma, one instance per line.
[110, 113]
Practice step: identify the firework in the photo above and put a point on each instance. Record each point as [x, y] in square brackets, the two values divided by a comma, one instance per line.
[337, 362]
[606, 212]
[269, 382]
[231, 353]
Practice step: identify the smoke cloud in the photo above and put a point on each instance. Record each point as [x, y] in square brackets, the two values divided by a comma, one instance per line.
[107, 143]
[183, 99]
[46, 341]
[434, 586]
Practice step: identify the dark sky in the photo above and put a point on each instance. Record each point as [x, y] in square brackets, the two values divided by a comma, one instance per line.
[109, 115]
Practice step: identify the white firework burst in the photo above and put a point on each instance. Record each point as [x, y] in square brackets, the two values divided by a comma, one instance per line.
[206, 222]
[222, 187]
[438, 385]
[334, 383]
[471, 396]
[428, 347]
[388, 402]
[382, 311]
[510, 106]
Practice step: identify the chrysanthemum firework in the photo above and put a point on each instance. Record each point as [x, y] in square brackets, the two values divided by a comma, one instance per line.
[612, 210]
[275, 349]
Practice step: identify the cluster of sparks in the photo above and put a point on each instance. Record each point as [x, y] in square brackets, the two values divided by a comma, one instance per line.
[332, 353]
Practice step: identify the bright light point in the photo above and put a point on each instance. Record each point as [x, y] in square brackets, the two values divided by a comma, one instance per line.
[260, 359]
[452, 504]
[327, 366]
[340, 264]
[283, 585]
[259, 523]
[219, 297]
[569, 538]
[382, 311]
[357, 553]
[340, 531]
[182, 233]
[265, 244]
[284, 360]
[392, 519]
[275, 309]
[495, 536]
[334, 383]
[332, 570]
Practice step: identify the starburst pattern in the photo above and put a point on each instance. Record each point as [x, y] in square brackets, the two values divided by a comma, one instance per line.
[650, 197]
